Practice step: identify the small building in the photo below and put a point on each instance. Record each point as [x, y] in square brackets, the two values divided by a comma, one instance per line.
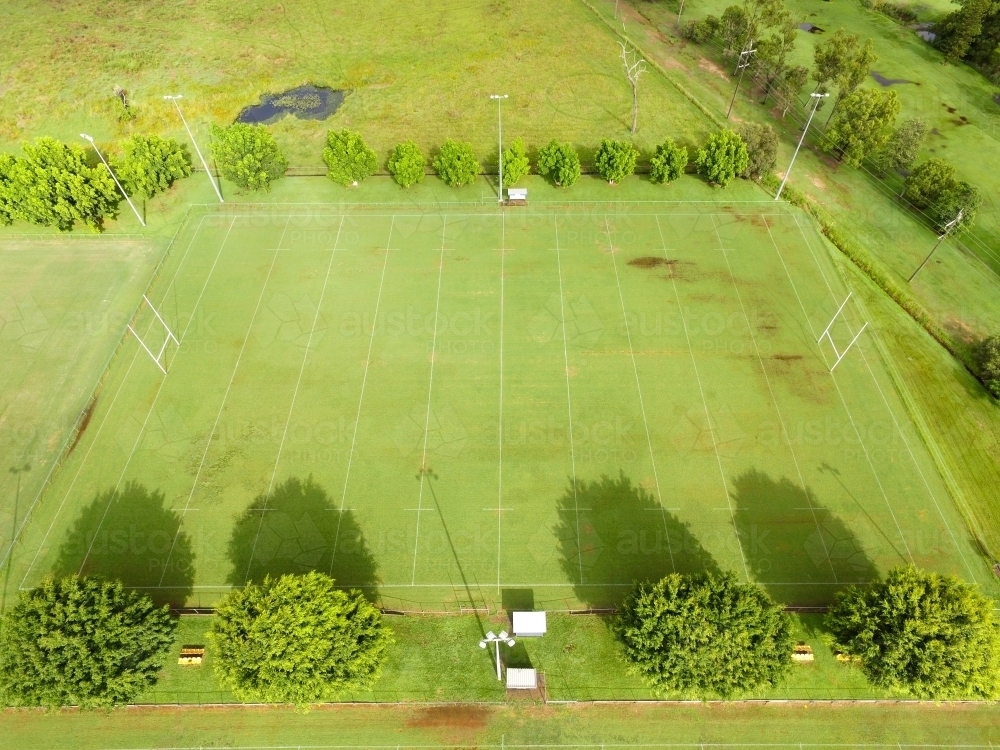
[529, 624]
[517, 196]
[191, 656]
[802, 653]
[522, 679]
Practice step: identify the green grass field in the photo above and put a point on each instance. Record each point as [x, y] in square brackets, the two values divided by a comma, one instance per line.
[450, 405]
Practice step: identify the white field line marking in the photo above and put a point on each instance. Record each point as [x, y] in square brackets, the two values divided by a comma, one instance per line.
[704, 402]
[642, 405]
[295, 395]
[888, 407]
[591, 746]
[569, 404]
[774, 398]
[503, 258]
[847, 409]
[225, 396]
[361, 398]
[100, 427]
[430, 389]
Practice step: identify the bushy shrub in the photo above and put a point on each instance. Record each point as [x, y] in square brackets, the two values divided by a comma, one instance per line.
[516, 165]
[348, 158]
[723, 158]
[247, 155]
[704, 635]
[8, 201]
[406, 164]
[862, 124]
[934, 186]
[762, 149]
[456, 164]
[83, 642]
[560, 162]
[901, 150]
[668, 163]
[704, 30]
[615, 160]
[989, 364]
[150, 165]
[921, 634]
[297, 639]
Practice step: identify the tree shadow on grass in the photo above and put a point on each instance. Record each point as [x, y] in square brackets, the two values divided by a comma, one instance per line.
[298, 529]
[130, 535]
[795, 547]
[612, 534]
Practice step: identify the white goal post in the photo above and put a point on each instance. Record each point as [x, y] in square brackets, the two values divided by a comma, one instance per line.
[157, 358]
[826, 334]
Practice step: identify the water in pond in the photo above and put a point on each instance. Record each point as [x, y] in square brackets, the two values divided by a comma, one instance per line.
[305, 102]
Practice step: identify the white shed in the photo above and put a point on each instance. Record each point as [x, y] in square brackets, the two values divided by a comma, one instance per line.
[519, 195]
[522, 679]
[529, 624]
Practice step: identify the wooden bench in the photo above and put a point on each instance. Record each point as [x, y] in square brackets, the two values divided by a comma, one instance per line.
[191, 656]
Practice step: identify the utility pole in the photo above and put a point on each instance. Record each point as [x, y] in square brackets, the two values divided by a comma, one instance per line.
[818, 98]
[174, 99]
[134, 209]
[499, 98]
[948, 229]
[744, 63]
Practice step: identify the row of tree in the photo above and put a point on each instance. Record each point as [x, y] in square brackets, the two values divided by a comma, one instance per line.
[56, 184]
[916, 634]
[972, 34]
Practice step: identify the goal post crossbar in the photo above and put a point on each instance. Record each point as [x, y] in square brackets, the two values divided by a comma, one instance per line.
[157, 358]
[826, 334]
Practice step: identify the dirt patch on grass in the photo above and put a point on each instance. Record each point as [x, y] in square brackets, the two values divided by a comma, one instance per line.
[817, 182]
[710, 67]
[787, 357]
[451, 717]
[649, 261]
[88, 414]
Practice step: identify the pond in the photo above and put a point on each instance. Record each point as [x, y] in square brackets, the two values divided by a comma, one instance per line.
[305, 102]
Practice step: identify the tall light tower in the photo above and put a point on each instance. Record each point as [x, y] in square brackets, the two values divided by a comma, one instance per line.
[111, 172]
[499, 98]
[497, 640]
[818, 98]
[174, 99]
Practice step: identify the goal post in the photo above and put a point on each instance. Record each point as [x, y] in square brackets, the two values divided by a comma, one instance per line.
[829, 337]
[168, 337]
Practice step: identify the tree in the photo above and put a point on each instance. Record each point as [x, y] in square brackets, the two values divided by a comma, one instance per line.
[151, 165]
[857, 68]
[832, 57]
[762, 149]
[297, 639]
[773, 51]
[928, 182]
[81, 641]
[961, 198]
[668, 163]
[8, 202]
[788, 87]
[348, 158]
[862, 124]
[704, 635]
[247, 155]
[704, 30]
[560, 162]
[900, 151]
[989, 364]
[958, 30]
[516, 165]
[634, 66]
[406, 164]
[921, 634]
[723, 158]
[456, 164]
[615, 160]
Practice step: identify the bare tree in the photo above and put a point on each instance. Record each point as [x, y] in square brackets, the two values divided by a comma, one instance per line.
[635, 66]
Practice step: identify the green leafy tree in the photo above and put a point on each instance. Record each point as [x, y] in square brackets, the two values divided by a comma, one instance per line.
[788, 87]
[773, 50]
[668, 163]
[962, 198]
[516, 165]
[151, 165]
[958, 30]
[735, 27]
[989, 364]
[247, 155]
[862, 125]
[560, 162]
[762, 149]
[832, 57]
[900, 151]
[615, 160]
[921, 634]
[723, 158]
[857, 68]
[704, 635]
[54, 186]
[81, 641]
[456, 164]
[8, 200]
[984, 51]
[348, 158]
[406, 164]
[704, 30]
[928, 182]
[297, 639]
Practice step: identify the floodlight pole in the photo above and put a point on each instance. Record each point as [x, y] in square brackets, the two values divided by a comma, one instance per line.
[818, 98]
[744, 63]
[948, 229]
[134, 210]
[177, 106]
[499, 98]
[496, 640]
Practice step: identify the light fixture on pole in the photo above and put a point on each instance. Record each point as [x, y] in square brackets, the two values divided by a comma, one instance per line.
[497, 640]
[818, 98]
[499, 98]
[744, 63]
[134, 210]
[948, 229]
[174, 99]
